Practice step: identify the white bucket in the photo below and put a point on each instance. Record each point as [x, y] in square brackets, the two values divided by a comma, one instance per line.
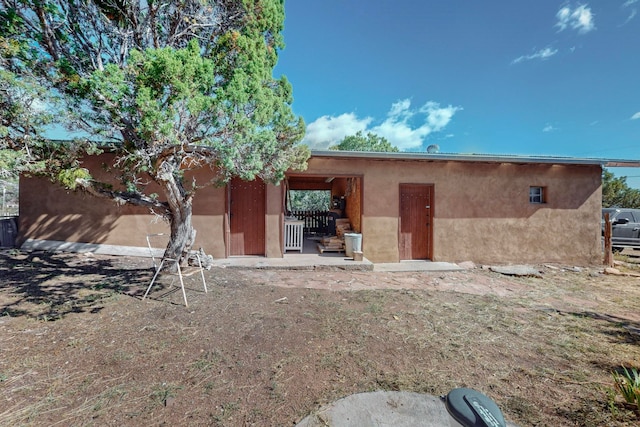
[352, 243]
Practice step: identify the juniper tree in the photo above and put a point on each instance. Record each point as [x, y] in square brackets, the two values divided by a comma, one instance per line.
[370, 142]
[165, 85]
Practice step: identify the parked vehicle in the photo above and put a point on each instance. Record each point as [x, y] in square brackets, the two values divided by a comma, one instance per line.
[625, 227]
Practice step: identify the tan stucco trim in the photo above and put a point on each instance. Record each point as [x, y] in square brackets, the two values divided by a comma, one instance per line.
[273, 222]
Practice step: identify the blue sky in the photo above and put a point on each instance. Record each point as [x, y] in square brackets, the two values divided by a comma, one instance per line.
[538, 77]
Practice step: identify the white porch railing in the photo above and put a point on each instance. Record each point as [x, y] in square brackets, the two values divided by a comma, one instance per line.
[293, 235]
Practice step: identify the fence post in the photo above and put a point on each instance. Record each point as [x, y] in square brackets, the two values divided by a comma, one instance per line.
[608, 249]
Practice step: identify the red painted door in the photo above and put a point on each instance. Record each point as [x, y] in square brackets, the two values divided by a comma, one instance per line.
[246, 217]
[416, 217]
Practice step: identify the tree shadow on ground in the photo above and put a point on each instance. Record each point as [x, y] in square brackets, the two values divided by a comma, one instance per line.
[50, 285]
[630, 332]
[620, 328]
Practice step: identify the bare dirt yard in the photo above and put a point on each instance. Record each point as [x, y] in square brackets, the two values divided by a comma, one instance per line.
[78, 346]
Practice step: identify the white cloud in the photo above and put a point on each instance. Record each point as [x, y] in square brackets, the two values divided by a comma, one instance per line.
[404, 134]
[330, 130]
[542, 54]
[404, 127]
[438, 117]
[401, 109]
[632, 13]
[636, 116]
[580, 19]
[548, 128]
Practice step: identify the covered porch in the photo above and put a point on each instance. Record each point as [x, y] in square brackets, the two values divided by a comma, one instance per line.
[319, 230]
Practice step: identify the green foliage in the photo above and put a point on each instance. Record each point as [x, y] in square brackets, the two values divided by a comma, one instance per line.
[309, 200]
[167, 85]
[162, 88]
[627, 384]
[370, 142]
[70, 177]
[9, 160]
[22, 112]
[161, 393]
[616, 192]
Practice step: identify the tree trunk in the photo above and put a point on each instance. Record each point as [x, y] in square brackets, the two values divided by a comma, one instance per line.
[180, 202]
[183, 234]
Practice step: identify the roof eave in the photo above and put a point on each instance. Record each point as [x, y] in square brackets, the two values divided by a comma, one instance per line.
[480, 158]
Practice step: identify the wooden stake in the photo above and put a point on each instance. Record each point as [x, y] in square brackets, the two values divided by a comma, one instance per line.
[608, 249]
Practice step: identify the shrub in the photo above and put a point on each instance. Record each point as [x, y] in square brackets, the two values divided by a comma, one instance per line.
[627, 383]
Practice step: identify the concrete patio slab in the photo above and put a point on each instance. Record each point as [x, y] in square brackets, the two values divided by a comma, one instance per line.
[384, 409]
[295, 262]
[332, 262]
[309, 259]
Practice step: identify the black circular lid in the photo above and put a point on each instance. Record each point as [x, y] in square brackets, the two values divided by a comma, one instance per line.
[473, 409]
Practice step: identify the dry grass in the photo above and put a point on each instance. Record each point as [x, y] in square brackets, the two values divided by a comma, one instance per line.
[79, 347]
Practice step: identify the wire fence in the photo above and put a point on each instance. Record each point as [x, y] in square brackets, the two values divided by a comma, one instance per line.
[8, 198]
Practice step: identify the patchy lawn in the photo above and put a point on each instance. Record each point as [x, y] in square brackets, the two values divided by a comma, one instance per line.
[78, 346]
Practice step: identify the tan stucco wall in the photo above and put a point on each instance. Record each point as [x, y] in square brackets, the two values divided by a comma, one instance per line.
[482, 211]
[49, 212]
[209, 219]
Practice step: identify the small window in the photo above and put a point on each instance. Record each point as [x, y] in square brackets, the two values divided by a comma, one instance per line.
[536, 195]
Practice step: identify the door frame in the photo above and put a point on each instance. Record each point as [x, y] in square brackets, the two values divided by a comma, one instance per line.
[431, 190]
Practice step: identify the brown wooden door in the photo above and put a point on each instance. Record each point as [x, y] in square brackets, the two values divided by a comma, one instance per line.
[416, 217]
[246, 217]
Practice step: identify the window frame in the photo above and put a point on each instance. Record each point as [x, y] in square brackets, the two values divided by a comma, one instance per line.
[537, 195]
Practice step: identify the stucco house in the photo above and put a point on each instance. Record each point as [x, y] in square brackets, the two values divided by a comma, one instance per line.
[429, 206]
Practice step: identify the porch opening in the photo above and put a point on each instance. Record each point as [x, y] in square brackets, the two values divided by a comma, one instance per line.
[325, 208]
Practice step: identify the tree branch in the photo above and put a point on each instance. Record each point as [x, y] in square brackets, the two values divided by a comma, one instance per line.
[122, 197]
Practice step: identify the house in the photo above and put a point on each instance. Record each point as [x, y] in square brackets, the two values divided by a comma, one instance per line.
[440, 207]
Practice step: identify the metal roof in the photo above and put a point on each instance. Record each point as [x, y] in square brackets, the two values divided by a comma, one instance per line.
[478, 158]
